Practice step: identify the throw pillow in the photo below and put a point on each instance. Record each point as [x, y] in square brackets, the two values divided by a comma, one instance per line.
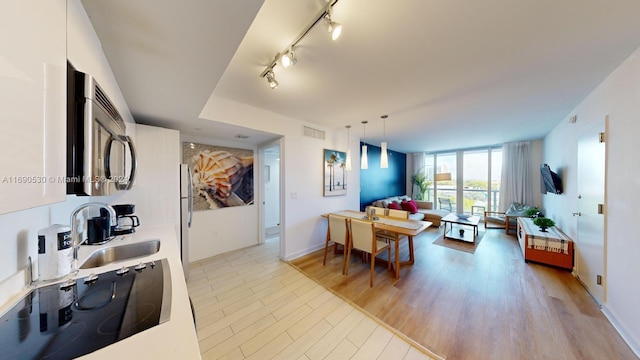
[410, 206]
[394, 205]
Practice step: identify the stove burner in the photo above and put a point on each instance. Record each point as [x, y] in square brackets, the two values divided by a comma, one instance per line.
[55, 323]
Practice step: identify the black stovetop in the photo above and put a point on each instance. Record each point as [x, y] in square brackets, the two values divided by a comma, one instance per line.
[63, 321]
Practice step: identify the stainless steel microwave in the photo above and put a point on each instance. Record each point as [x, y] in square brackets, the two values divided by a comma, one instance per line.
[101, 158]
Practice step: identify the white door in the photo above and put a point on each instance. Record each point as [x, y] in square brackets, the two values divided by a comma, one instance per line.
[590, 245]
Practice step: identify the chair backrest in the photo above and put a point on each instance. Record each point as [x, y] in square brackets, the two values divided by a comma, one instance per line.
[445, 203]
[379, 210]
[338, 229]
[401, 214]
[363, 235]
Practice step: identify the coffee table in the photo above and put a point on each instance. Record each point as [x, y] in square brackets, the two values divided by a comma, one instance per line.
[458, 232]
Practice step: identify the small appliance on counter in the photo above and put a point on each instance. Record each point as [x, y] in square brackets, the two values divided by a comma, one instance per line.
[55, 253]
[127, 222]
[99, 230]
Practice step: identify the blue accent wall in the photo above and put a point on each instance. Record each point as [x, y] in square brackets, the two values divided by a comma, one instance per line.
[377, 183]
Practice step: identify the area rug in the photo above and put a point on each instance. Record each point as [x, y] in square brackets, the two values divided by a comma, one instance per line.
[460, 245]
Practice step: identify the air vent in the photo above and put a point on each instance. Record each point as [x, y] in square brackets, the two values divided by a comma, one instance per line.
[105, 103]
[314, 133]
[240, 136]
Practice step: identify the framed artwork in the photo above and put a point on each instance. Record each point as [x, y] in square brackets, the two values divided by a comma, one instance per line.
[335, 173]
[221, 176]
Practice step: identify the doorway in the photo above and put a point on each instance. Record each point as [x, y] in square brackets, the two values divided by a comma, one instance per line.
[271, 190]
[591, 244]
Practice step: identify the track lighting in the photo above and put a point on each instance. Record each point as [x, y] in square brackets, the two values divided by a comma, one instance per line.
[271, 79]
[384, 159]
[333, 27]
[364, 160]
[287, 58]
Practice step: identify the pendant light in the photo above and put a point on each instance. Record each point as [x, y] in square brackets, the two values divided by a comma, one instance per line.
[384, 159]
[347, 163]
[364, 161]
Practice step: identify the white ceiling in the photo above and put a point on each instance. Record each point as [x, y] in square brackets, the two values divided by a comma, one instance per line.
[450, 74]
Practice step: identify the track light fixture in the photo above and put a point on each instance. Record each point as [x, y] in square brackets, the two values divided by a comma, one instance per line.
[271, 79]
[384, 159]
[333, 27]
[287, 58]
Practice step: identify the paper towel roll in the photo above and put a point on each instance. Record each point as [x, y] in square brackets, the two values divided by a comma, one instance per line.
[55, 253]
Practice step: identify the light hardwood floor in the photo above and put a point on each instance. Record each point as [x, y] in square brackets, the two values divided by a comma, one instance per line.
[251, 305]
[486, 305]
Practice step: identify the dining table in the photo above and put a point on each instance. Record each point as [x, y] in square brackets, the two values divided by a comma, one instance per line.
[396, 226]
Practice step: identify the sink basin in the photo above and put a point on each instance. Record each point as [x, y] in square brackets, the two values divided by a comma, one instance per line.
[123, 252]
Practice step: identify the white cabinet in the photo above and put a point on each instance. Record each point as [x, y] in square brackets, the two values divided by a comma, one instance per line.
[32, 103]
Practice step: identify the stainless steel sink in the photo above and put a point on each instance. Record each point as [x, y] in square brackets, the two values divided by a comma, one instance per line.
[123, 252]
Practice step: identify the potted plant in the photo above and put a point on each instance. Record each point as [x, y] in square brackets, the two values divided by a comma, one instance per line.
[420, 180]
[543, 223]
[532, 213]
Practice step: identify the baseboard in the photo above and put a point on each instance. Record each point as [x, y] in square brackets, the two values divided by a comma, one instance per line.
[628, 338]
[303, 252]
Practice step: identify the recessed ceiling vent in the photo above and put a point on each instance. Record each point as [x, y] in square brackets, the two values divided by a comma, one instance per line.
[314, 133]
[240, 136]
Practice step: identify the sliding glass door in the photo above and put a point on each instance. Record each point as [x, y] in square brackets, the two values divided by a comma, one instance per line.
[475, 165]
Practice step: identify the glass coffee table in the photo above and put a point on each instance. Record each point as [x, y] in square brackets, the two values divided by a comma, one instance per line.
[459, 232]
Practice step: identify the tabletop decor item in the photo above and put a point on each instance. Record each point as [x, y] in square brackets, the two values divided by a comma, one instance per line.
[543, 223]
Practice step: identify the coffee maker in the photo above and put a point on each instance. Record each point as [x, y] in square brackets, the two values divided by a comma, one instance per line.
[127, 222]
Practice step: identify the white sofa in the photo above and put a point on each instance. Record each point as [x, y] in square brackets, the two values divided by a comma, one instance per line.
[425, 211]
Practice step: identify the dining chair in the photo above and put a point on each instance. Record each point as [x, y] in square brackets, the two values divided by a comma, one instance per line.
[363, 238]
[339, 234]
[379, 211]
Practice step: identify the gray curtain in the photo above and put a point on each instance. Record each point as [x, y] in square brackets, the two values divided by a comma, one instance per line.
[516, 182]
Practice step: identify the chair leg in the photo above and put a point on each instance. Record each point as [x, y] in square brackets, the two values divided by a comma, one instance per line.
[388, 258]
[347, 261]
[326, 245]
[411, 258]
[373, 260]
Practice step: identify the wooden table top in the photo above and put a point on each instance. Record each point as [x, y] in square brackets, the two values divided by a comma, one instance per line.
[396, 225]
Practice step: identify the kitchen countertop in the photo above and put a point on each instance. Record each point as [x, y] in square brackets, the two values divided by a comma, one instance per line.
[174, 339]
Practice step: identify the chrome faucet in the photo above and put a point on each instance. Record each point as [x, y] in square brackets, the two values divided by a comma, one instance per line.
[74, 226]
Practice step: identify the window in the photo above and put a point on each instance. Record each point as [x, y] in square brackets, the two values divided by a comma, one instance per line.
[479, 176]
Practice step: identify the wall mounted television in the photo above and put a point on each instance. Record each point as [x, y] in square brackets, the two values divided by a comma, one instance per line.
[549, 181]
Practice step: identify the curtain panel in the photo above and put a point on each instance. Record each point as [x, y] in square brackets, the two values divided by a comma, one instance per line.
[516, 182]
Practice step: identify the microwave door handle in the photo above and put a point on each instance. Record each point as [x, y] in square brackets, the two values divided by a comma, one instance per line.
[134, 162]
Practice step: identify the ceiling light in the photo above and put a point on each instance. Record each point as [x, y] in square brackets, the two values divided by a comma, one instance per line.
[364, 160]
[333, 27]
[288, 59]
[271, 79]
[384, 159]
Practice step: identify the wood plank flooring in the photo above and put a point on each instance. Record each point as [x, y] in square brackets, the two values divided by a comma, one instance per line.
[251, 305]
[487, 305]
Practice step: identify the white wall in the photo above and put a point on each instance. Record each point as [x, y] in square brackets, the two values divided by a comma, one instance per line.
[19, 229]
[302, 228]
[618, 96]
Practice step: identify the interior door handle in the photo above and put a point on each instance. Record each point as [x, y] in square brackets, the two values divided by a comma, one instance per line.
[577, 213]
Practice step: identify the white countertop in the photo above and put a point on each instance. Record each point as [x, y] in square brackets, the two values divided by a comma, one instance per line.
[174, 339]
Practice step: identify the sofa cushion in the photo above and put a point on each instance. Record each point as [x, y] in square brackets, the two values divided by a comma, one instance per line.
[394, 205]
[409, 206]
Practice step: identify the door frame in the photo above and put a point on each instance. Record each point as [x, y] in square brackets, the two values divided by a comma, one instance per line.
[261, 199]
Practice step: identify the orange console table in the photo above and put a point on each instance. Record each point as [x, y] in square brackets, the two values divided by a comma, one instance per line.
[552, 247]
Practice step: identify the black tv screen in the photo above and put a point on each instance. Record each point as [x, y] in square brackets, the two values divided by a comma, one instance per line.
[549, 181]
